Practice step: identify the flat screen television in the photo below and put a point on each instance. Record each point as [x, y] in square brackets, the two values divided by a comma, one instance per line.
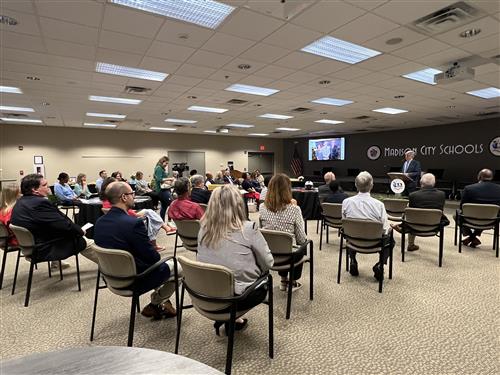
[327, 149]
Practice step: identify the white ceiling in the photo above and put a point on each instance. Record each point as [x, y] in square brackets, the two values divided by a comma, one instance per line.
[60, 42]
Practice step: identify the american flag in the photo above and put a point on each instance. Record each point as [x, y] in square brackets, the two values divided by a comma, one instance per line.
[296, 163]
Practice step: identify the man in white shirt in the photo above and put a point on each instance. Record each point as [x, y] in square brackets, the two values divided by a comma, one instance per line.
[363, 206]
[227, 177]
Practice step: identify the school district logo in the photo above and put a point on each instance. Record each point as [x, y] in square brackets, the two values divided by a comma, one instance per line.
[495, 146]
[373, 152]
[397, 186]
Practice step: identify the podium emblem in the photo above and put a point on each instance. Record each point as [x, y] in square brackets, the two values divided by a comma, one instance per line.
[397, 186]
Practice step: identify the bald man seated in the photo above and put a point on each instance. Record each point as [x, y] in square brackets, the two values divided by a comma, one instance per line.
[118, 230]
[324, 190]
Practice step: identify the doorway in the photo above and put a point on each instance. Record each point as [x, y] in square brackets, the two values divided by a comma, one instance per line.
[263, 161]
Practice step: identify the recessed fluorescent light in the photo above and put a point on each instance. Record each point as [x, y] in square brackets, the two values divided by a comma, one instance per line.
[105, 115]
[390, 111]
[275, 116]
[10, 90]
[27, 120]
[163, 129]
[224, 131]
[178, 121]
[332, 101]
[126, 71]
[489, 93]
[288, 129]
[322, 132]
[243, 126]
[16, 109]
[209, 131]
[425, 75]
[258, 134]
[206, 109]
[340, 50]
[206, 13]
[99, 125]
[114, 100]
[254, 90]
[333, 122]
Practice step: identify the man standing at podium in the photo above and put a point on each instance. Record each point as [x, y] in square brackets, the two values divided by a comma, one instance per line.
[411, 168]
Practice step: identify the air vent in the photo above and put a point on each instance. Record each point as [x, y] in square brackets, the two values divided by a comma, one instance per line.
[301, 109]
[237, 101]
[483, 114]
[446, 19]
[361, 117]
[16, 115]
[441, 118]
[136, 90]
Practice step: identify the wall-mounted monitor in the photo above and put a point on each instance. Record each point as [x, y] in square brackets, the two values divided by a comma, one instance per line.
[327, 149]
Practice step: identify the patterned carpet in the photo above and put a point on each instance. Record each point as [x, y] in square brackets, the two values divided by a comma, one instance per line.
[428, 320]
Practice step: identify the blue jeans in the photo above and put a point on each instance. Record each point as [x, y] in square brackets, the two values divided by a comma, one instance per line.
[165, 199]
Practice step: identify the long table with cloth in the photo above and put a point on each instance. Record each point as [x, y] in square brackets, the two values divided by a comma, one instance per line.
[308, 201]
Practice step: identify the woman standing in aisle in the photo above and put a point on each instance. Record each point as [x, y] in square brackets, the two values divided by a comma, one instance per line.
[162, 184]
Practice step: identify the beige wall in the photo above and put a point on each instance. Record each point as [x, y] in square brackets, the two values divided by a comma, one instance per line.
[90, 150]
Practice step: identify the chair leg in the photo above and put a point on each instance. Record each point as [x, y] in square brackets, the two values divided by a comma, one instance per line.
[340, 258]
[5, 258]
[28, 289]
[456, 230]
[15, 272]
[305, 225]
[403, 237]
[132, 320]
[175, 245]
[347, 263]
[179, 320]
[271, 324]
[60, 270]
[311, 271]
[138, 305]
[230, 341]
[460, 239]
[176, 282]
[78, 273]
[390, 261]
[50, 271]
[381, 265]
[497, 237]
[290, 287]
[327, 228]
[441, 240]
[321, 234]
[317, 226]
[95, 306]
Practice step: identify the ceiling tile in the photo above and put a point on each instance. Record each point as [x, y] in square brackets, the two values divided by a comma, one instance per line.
[159, 65]
[59, 47]
[444, 57]
[364, 28]
[381, 62]
[123, 42]
[27, 23]
[183, 33]
[227, 44]
[22, 41]
[406, 11]
[128, 21]
[169, 51]
[18, 6]
[70, 32]
[487, 25]
[366, 4]
[483, 44]
[264, 53]
[243, 24]
[118, 58]
[302, 77]
[274, 71]
[209, 59]
[408, 37]
[292, 37]
[420, 49]
[298, 60]
[84, 12]
[326, 66]
[195, 71]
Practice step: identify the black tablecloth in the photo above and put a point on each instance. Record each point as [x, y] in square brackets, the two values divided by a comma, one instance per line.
[308, 201]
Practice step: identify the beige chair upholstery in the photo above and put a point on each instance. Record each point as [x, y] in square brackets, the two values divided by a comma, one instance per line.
[203, 206]
[395, 208]
[187, 232]
[422, 222]
[214, 186]
[211, 288]
[332, 218]
[6, 248]
[367, 237]
[281, 246]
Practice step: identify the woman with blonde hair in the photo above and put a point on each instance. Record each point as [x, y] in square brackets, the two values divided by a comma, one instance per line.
[280, 212]
[226, 238]
[81, 188]
[8, 198]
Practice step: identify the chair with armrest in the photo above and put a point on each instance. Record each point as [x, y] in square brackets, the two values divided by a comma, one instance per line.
[479, 217]
[6, 248]
[281, 246]
[118, 270]
[187, 231]
[29, 251]
[367, 237]
[211, 288]
[395, 209]
[422, 222]
[203, 206]
[332, 218]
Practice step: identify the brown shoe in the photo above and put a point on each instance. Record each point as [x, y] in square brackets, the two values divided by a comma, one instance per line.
[475, 242]
[397, 227]
[168, 311]
[466, 241]
[152, 311]
[412, 248]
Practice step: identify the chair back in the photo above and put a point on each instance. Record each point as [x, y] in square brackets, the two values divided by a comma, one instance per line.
[363, 235]
[332, 212]
[203, 206]
[214, 186]
[188, 230]
[280, 243]
[208, 280]
[24, 238]
[423, 220]
[481, 215]
[117, 268]
[4, 232]
[395, 208]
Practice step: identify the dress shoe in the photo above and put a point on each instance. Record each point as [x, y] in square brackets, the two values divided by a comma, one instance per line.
[165, 310]
[475, 242]
[466, 241]
[353, 268]
[168, 311]
[378, 274]
[238, 326]
[54, 265]
[412, 248]
[396, 227]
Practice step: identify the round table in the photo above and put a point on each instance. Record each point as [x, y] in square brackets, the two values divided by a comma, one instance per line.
[105, 360]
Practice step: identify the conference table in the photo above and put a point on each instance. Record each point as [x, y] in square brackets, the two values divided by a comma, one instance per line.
[105, 360]
[308, 201]
[91, 209]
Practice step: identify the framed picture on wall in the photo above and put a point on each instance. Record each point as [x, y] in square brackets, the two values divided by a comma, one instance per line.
[37, 159]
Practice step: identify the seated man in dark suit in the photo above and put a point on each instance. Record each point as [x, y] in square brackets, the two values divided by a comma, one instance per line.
[324, 190]
[199, 194]
[336, 194]
[482, 192]
[56, 236]
[118, 230]
[427, 197]
[412, 169]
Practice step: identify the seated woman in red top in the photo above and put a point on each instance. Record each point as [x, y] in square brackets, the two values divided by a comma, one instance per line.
[8, 198]
[182, 208]
[154, 221]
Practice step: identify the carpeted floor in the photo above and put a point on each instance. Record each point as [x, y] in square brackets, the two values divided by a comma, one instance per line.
[428, 320]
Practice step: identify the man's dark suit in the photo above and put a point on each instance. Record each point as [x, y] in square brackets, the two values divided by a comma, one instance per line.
[484, 192]
[229, 180]
[414, 171]
[429, 198]
[323, 191]
[56, 236]
[118, 230]
[337, 197]
[200, 195]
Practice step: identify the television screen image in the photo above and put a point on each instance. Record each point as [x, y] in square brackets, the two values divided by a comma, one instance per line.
[327, 149]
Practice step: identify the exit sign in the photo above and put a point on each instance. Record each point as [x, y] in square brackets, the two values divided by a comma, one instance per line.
[262, 147]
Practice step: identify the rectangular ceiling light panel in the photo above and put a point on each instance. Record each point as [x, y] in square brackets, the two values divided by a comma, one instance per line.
[425, 75]
[109, 99]
[179, 121]
[105, 115]
[206, 13]
[275, 116]
[489, 93]
[10, 90]
[253, 90]
[198, 108]
[288, 129]
[340, 50]
[126, 71]
[332, 101]
[23, 120]
[390, 111]
[332, 122]
[163, 129]
[258, 134]
[91, 124]
[242, 126]
[6, 108]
